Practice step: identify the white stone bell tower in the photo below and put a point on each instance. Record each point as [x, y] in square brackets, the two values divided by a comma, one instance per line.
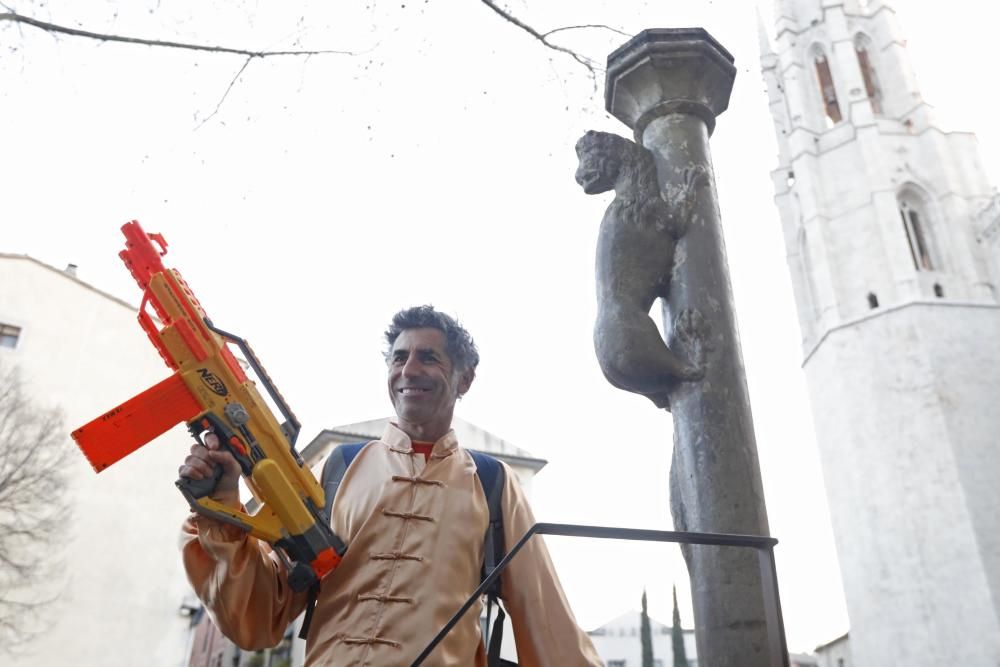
[900, 332]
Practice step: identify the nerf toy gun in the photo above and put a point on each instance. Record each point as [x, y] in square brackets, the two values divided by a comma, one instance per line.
[210, 392]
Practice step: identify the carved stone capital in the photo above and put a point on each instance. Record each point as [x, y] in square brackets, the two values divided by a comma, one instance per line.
[668, 70]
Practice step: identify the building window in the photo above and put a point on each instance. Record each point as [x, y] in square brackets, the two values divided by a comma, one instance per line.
[872, 300]
[9, 335]
[826, 87]
[861, 48]
[938, 290]
[915, 225]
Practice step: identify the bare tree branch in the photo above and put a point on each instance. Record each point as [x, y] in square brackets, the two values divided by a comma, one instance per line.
[105, 37]
[592, 65]
[34, 509]
[56, 29]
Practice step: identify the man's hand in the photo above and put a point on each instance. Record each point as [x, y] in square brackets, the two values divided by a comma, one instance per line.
[200, 464]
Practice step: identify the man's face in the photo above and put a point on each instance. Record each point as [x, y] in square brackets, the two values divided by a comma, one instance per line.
[424, 384]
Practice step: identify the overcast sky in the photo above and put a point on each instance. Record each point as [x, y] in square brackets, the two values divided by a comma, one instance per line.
[436, 166]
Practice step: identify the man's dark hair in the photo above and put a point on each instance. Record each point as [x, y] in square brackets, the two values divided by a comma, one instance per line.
[458, 343]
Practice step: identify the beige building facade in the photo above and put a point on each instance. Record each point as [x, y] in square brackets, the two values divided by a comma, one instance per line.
[120, 600]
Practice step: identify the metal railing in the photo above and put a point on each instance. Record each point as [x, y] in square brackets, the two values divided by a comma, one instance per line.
[777, 647]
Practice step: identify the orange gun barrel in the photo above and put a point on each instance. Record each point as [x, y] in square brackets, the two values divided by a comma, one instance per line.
[140, 256]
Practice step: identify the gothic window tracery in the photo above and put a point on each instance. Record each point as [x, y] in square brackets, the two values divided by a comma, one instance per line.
[913, 213]
[826, 88]
[862, 47]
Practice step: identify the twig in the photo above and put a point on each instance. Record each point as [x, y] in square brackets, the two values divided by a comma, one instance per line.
[582, 27]
[589, 63]
[225, 94]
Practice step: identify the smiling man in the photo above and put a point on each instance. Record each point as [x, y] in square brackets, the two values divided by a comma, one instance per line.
[413, 514]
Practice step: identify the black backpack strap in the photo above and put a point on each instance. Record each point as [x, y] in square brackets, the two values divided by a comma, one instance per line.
[333, 473]
[493, 478]
[334, 469]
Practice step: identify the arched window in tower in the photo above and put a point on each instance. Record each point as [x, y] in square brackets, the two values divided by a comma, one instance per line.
[862, 47]
[826, 87]
[913, 213]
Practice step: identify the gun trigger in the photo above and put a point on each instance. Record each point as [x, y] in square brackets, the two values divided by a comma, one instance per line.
[235, 443]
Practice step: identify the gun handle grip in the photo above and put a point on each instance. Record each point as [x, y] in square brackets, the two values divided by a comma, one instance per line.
[199, 488]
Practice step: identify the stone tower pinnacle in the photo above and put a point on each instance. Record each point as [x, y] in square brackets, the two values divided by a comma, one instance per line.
[763, 40]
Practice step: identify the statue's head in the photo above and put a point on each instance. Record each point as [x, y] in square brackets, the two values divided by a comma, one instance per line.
[602, 156]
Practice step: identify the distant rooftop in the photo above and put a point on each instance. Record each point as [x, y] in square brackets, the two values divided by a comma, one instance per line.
[70, 274]
[629, 624]
[832, 642]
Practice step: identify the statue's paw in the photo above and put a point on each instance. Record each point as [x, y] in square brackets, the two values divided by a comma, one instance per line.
[691, 334]
[690, 327]
[694, 177]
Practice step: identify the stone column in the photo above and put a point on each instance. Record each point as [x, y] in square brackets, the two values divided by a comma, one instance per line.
[669, 86]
